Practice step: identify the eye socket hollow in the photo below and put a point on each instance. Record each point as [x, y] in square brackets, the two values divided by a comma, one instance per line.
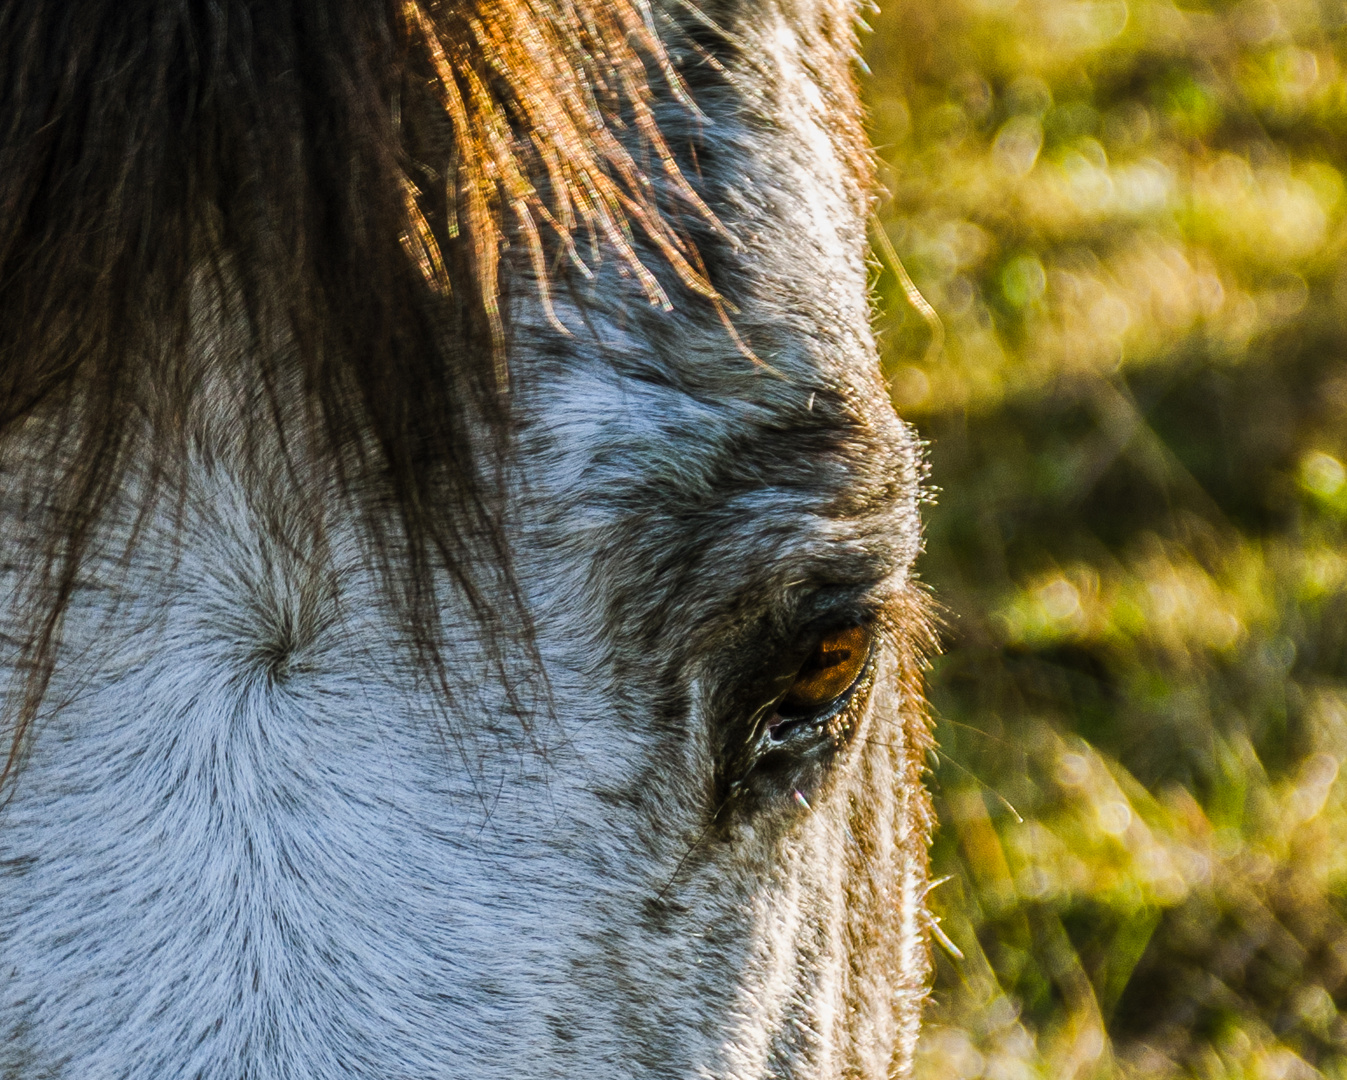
[829, 671]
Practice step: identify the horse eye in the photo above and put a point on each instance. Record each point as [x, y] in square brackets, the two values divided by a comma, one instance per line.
[829, 672]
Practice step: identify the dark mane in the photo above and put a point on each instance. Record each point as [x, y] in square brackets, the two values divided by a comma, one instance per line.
[343, 173]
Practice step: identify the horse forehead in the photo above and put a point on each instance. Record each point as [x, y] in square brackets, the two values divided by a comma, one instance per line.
[594, 428]
[663, 504]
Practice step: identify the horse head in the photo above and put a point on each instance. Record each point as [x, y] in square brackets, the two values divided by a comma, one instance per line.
[456, 606]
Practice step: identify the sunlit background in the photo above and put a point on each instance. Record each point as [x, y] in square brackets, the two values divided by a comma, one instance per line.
[1130, 217]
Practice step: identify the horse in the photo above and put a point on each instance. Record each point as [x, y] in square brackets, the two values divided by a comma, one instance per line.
[457, 614]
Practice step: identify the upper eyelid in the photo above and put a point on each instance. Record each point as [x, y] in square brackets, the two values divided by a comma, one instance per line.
[759, 647]
[790, 645]
[865, 609]
[823, 602]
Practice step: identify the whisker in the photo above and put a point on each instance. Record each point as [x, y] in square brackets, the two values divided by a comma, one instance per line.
[706, 829]
[974, 776]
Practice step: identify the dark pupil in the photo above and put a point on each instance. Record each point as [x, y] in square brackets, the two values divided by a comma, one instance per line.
[827, 657]
[830, 670]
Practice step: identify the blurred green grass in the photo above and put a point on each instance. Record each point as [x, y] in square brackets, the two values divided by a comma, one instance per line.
[1131, 219]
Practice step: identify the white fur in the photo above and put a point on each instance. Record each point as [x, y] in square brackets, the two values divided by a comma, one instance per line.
[214, 866]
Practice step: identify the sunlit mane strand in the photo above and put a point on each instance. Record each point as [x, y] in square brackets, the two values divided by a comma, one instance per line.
[536, 91]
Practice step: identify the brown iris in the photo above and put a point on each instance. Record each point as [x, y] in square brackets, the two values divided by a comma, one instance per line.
[829, 671]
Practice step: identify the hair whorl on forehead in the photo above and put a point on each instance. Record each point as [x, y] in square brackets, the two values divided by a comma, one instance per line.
[341, 176]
